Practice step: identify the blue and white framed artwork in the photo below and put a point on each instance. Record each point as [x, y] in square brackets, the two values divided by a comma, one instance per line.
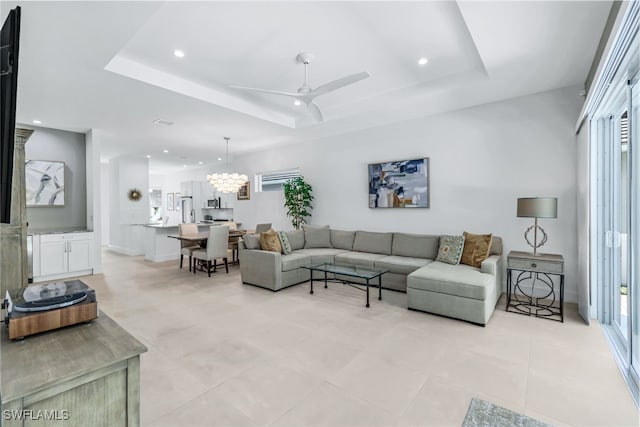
[44, 183]
[399, 184]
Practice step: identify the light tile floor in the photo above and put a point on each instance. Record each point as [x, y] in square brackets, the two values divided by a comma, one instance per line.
[223, 353]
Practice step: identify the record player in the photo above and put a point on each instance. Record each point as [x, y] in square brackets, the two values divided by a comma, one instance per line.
[44, 307]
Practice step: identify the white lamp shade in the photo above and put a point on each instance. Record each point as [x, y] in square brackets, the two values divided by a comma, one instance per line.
[538, 207]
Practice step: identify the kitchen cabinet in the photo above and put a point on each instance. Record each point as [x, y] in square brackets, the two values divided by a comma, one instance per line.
[197, 191]
[62, 255]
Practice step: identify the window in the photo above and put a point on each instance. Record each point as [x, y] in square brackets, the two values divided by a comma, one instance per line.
[273, 181]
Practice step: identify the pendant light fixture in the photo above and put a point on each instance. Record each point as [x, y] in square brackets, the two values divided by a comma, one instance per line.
[227, 182]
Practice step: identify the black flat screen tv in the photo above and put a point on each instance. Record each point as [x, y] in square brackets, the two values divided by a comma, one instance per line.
[9, 44]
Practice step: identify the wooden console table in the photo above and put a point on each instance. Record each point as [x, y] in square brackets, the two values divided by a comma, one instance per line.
[83, 375]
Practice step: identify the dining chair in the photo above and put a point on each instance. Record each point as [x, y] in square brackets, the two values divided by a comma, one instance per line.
[187, 248]
[232, 225]
[263, 228]
[233, 240]
[217, 247]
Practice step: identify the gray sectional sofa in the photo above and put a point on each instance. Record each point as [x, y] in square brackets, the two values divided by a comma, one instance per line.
[458, 291]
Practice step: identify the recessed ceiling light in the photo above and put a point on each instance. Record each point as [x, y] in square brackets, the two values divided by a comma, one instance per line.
[297, 102]
[219, 158]
[148, 156]
[178, 53]
[201, 163]
[37, 122]
[165, 151]
[423, 61]
[184, 166]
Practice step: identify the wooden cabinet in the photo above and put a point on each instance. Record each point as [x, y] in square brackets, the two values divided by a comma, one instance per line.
[83, 375]
[62, 255]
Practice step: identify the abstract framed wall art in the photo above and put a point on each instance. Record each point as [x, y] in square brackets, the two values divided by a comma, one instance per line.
[244, 193]
[44, 183]
[170, 202]
[399, 184]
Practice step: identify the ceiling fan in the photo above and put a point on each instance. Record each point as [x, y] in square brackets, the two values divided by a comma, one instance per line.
[305, 93]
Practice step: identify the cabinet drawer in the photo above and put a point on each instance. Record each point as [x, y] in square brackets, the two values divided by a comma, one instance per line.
[65, 236]
[52, 237]
[535, 265]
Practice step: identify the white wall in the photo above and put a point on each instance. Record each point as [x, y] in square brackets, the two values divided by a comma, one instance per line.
[70, 148]
[104, 202]
[482, 160]
[126, 217]
[94, 198]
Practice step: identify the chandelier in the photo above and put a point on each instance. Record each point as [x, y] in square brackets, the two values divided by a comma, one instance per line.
[227, 182]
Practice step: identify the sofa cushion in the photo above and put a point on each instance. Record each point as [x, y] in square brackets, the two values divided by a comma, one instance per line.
[459, 280]
[320, 255]
[450, 249]
[251, 241]
[496, 246]
[293, 261]
[357, 258]
[415, 245]
[269, 241]
[373, 243]
[317, 237]
[342, 239]
[284, 242]
[401, 264]
[476, 249]
[296, 239]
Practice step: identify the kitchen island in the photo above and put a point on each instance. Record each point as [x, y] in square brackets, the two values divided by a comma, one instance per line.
[157, 245]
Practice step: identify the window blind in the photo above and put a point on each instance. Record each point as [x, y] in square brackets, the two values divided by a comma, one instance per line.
[275, 179]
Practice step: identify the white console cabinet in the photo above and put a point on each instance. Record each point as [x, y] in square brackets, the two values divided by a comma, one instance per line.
[57, 256]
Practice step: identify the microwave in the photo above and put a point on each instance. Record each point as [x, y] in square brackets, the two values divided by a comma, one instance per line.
[214, 203]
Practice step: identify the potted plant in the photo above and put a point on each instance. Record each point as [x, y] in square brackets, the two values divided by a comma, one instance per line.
[297, 200]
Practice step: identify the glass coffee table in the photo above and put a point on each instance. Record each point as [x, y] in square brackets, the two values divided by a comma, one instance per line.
[360, 272]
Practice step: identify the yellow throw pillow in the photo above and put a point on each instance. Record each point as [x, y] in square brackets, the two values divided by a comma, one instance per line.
[476, 249]
[269, 241]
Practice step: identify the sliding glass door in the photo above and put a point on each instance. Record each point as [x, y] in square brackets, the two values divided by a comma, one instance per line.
[613, 107]
[634, 258]
[617, 246]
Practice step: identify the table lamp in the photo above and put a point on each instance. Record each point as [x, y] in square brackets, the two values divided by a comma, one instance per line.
[537, 207]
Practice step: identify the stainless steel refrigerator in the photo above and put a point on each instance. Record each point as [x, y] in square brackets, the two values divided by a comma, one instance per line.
[188, 212]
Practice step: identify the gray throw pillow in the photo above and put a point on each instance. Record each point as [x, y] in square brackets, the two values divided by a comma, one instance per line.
[251, 241]
[317, 237]
[342, 239]
[450, 250]
[296, 239]
[284, 242]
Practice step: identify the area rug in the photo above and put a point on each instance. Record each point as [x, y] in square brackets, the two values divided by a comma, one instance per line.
[482, 413]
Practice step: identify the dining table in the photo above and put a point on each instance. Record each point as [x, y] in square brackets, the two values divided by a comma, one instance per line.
[201, 238]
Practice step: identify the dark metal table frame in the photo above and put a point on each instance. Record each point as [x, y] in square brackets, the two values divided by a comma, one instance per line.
[519, 301]
[326, 268]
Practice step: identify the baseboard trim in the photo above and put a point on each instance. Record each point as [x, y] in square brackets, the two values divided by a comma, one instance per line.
[124, 251]
[164, 258]
[74, 274]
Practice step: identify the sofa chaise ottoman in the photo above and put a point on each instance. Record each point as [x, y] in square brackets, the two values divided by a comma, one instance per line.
[458, 291]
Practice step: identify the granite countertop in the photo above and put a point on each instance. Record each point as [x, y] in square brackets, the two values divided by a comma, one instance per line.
[57, 230]
[176, 225]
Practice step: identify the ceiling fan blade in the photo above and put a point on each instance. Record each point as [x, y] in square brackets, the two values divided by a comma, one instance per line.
[337, 84]
[315, 112]
[274, 92]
